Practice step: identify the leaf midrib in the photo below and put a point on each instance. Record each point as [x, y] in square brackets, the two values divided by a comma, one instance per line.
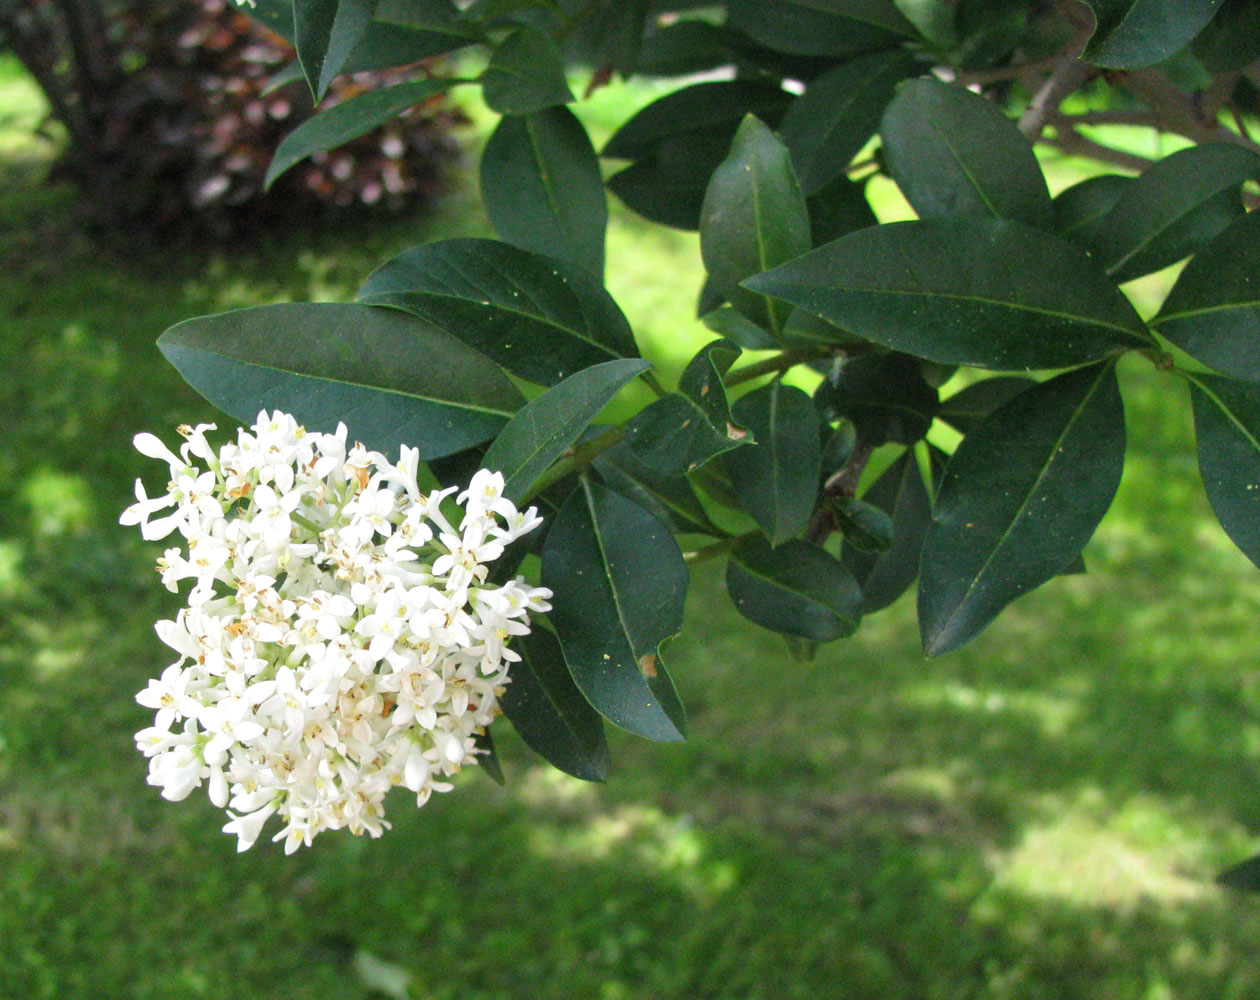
[436, 401]
[1032, 491]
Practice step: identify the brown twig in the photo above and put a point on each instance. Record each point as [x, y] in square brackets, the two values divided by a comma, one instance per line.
[1068, 74]
[1073, 143]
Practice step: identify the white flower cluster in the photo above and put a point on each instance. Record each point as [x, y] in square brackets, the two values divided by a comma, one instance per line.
[340, 637]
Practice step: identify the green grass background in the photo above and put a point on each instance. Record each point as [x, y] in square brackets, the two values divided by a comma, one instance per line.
[1039, 815]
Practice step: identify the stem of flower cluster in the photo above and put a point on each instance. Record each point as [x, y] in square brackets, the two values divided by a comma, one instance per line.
[781, 362]
[576, 459]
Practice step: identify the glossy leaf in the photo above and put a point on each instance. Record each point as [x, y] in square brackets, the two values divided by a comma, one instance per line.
[933, 19]
[670, 499]
[1176, 207]
[684, 429]
[540, 318]
[1135, 33]
[547, 709]
[1227, 427]
[326, 32]
[525, 74]
[391, 378]
[821, 27]
[549, 425]
[542, 188]
[839, 112]
[683, 48]
[885, 395]
[953, 152]
[619, 584]
[753, 218]
[276, 15]
[864, 526]
[838, 208]
[968, 407]
[1213, 311]
[1080, 212]
[731, 325]
[348, 120]
[794, 588]
[386, 44]
[885, 576]
[716, 107]
[609, 36]
[982, 292]
[776, 479]
[1231, 39]
[1020, 498]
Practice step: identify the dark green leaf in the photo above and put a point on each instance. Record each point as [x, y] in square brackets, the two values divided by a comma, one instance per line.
[836, 209]
[348, 120]
[1020, 498]
[525, 74]
[542, 187]
[488, 758]
[953, 152]
[701, 107]
[549, 712]
[1245, 875]
[1213, 311]
[1134, 33]
[753, 218]
[982, 292]
[670, 499]
[684, 429]
[839, 111]
[326, 32]
[619, 584]
[1227, 426]
[1232, 38]
[776, 479]
[610, 36]
[885, 395]
[386, 45]
[865, 527]
[1080, 212]
[312, 26]
[349, 28]
[547, 426]
[988, 30]
[968, 407]
[393, 379]
[821, 27]
[540, 318]
[436, 15]
[795, 588]
[933, 19]
[726, 322]
[274, 14]
[684, 48]
[1174, 209]
[884, 577]
[282, 78]
[668, 186]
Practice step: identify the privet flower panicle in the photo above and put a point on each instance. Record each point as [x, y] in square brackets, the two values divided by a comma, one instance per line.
[341, 634]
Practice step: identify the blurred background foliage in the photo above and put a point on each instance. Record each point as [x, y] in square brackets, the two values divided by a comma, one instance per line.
[166, 113]
[1039, 815]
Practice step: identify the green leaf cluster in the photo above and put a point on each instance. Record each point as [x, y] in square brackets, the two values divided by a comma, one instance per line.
[936, 400]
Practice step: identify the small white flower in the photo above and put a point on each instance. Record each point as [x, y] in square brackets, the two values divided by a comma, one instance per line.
[338, 640]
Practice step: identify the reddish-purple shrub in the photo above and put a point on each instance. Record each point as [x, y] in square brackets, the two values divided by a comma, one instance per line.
[170, 124]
